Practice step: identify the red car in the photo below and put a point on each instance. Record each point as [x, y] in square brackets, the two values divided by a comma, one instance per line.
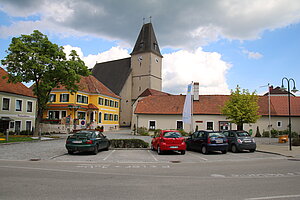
[168, 140]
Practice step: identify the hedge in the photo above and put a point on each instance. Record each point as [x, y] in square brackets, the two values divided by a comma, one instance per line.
[128, 143]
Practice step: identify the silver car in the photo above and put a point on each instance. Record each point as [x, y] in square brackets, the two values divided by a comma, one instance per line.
[239, 141]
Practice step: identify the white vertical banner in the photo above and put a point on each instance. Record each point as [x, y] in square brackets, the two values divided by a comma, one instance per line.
[187, 108]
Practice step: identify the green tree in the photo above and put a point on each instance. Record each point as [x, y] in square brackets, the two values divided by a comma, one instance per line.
[33, 58]
[242, 107]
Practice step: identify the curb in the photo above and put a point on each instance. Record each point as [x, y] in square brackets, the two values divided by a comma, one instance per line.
[274, 153]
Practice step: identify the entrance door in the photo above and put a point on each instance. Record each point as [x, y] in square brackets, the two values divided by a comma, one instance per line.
[17, 126]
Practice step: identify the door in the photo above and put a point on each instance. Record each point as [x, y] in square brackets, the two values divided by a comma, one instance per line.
[17, 126]
[200, 140]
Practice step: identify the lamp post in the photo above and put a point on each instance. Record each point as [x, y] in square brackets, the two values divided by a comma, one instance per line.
[289, 102]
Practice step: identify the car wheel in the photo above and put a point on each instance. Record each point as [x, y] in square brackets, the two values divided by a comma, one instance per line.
[182, 152]
[159, 151]
[234, 148]
[96, 149]
[107, 148]
[204, 150]
[252, 150]
[70, 152]
[224, 152]
[152, 147]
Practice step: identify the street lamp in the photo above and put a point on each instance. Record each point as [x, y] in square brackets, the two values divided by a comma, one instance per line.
[289, 101]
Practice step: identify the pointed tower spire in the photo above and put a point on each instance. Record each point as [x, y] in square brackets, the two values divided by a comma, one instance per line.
[146, 41]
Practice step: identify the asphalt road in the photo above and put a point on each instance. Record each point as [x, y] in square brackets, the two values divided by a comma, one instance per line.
[252, 180]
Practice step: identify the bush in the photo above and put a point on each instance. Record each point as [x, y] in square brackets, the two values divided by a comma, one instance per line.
[257, 132]
[143, 131]
[296, 142]
[265, 134]
[128, 143]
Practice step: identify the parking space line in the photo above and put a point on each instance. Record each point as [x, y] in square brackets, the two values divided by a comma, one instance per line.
[192, 154]
[109, 154]
[153, 156]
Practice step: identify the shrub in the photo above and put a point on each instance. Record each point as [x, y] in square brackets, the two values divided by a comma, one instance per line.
[143, 131]
[265, 134]
[296, 142]
[257, 132]
[128, 143]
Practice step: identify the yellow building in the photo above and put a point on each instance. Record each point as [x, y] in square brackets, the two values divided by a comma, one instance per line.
[93, 105]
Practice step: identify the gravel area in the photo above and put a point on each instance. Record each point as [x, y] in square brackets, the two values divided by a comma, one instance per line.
[49, 149]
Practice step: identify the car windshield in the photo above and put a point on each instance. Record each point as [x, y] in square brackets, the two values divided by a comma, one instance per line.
[172, 135]
[215, 134]
[242, 134]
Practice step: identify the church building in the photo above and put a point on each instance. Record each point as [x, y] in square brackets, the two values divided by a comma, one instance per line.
[130, 77]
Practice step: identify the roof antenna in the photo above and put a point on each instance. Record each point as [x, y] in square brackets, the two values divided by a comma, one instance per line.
[150, 18]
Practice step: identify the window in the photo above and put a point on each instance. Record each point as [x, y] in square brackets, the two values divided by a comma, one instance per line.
[29, 106]
[100, 117]
[5, 103]
[209, 125]
[81, 115]
[82, 99]
[179, 125]
[17, 126]
[152, 125]
[63, 113]
[116, 104]
[279, 123]
[110, 117]
[106, 116]
[18, 105]
[28, 125]
[111, 103]
[53, 114]
[52, 98]
[100, 101]
[116, 117]
[64, 97]
[106, 102]
[12, 125]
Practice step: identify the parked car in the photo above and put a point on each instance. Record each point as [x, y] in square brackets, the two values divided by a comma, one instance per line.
[168, 140]
[207, 141]
[239, 141]
[87, 141]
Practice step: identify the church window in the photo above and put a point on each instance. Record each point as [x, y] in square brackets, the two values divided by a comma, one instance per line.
[140, 88]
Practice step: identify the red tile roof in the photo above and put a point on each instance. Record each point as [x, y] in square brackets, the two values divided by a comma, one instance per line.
[149, 92]
[14, 88]
[90, 84]
[211, 104]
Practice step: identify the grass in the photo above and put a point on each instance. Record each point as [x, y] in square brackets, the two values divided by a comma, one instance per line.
[16, 139]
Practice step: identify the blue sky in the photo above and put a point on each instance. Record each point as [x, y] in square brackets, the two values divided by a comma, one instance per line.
[220, 44]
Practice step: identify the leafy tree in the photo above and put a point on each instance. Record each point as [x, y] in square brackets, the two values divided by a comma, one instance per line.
[242, 107]
[33, 58]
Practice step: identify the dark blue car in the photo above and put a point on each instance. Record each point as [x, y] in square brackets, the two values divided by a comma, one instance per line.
[207, 141]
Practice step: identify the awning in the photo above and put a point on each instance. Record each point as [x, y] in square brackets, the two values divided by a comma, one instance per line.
[6, 119]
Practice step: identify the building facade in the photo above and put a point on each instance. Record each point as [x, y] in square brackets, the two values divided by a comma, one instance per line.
[92, 106]
[17, 106]
[165, 112]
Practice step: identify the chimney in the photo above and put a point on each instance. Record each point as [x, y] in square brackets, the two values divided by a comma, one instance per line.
[196, 91]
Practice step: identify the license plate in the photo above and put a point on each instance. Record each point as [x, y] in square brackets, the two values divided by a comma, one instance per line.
[77, 142]
[174, 147]
[247, 141]
[219, 141]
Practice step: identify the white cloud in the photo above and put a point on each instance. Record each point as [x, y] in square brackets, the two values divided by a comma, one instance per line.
[183, 67]
[179, 68]
[112, 54]
[252, 55]
[179, 25]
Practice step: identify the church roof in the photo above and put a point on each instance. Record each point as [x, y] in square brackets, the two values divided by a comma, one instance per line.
[113, 74]
[146, 41]
[152, 92]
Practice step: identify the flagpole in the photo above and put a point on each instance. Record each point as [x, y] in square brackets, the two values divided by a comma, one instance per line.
[192, 108]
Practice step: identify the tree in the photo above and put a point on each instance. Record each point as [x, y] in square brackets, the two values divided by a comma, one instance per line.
[242, 107]
[33, 58]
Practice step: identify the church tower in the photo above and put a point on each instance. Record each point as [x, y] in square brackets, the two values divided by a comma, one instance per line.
[146, 62]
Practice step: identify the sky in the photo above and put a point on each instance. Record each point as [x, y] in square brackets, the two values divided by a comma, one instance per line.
[220, 44]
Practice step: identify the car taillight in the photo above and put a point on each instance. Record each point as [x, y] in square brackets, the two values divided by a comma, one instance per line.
[89, 142]
[240, 141]
[208, 140]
